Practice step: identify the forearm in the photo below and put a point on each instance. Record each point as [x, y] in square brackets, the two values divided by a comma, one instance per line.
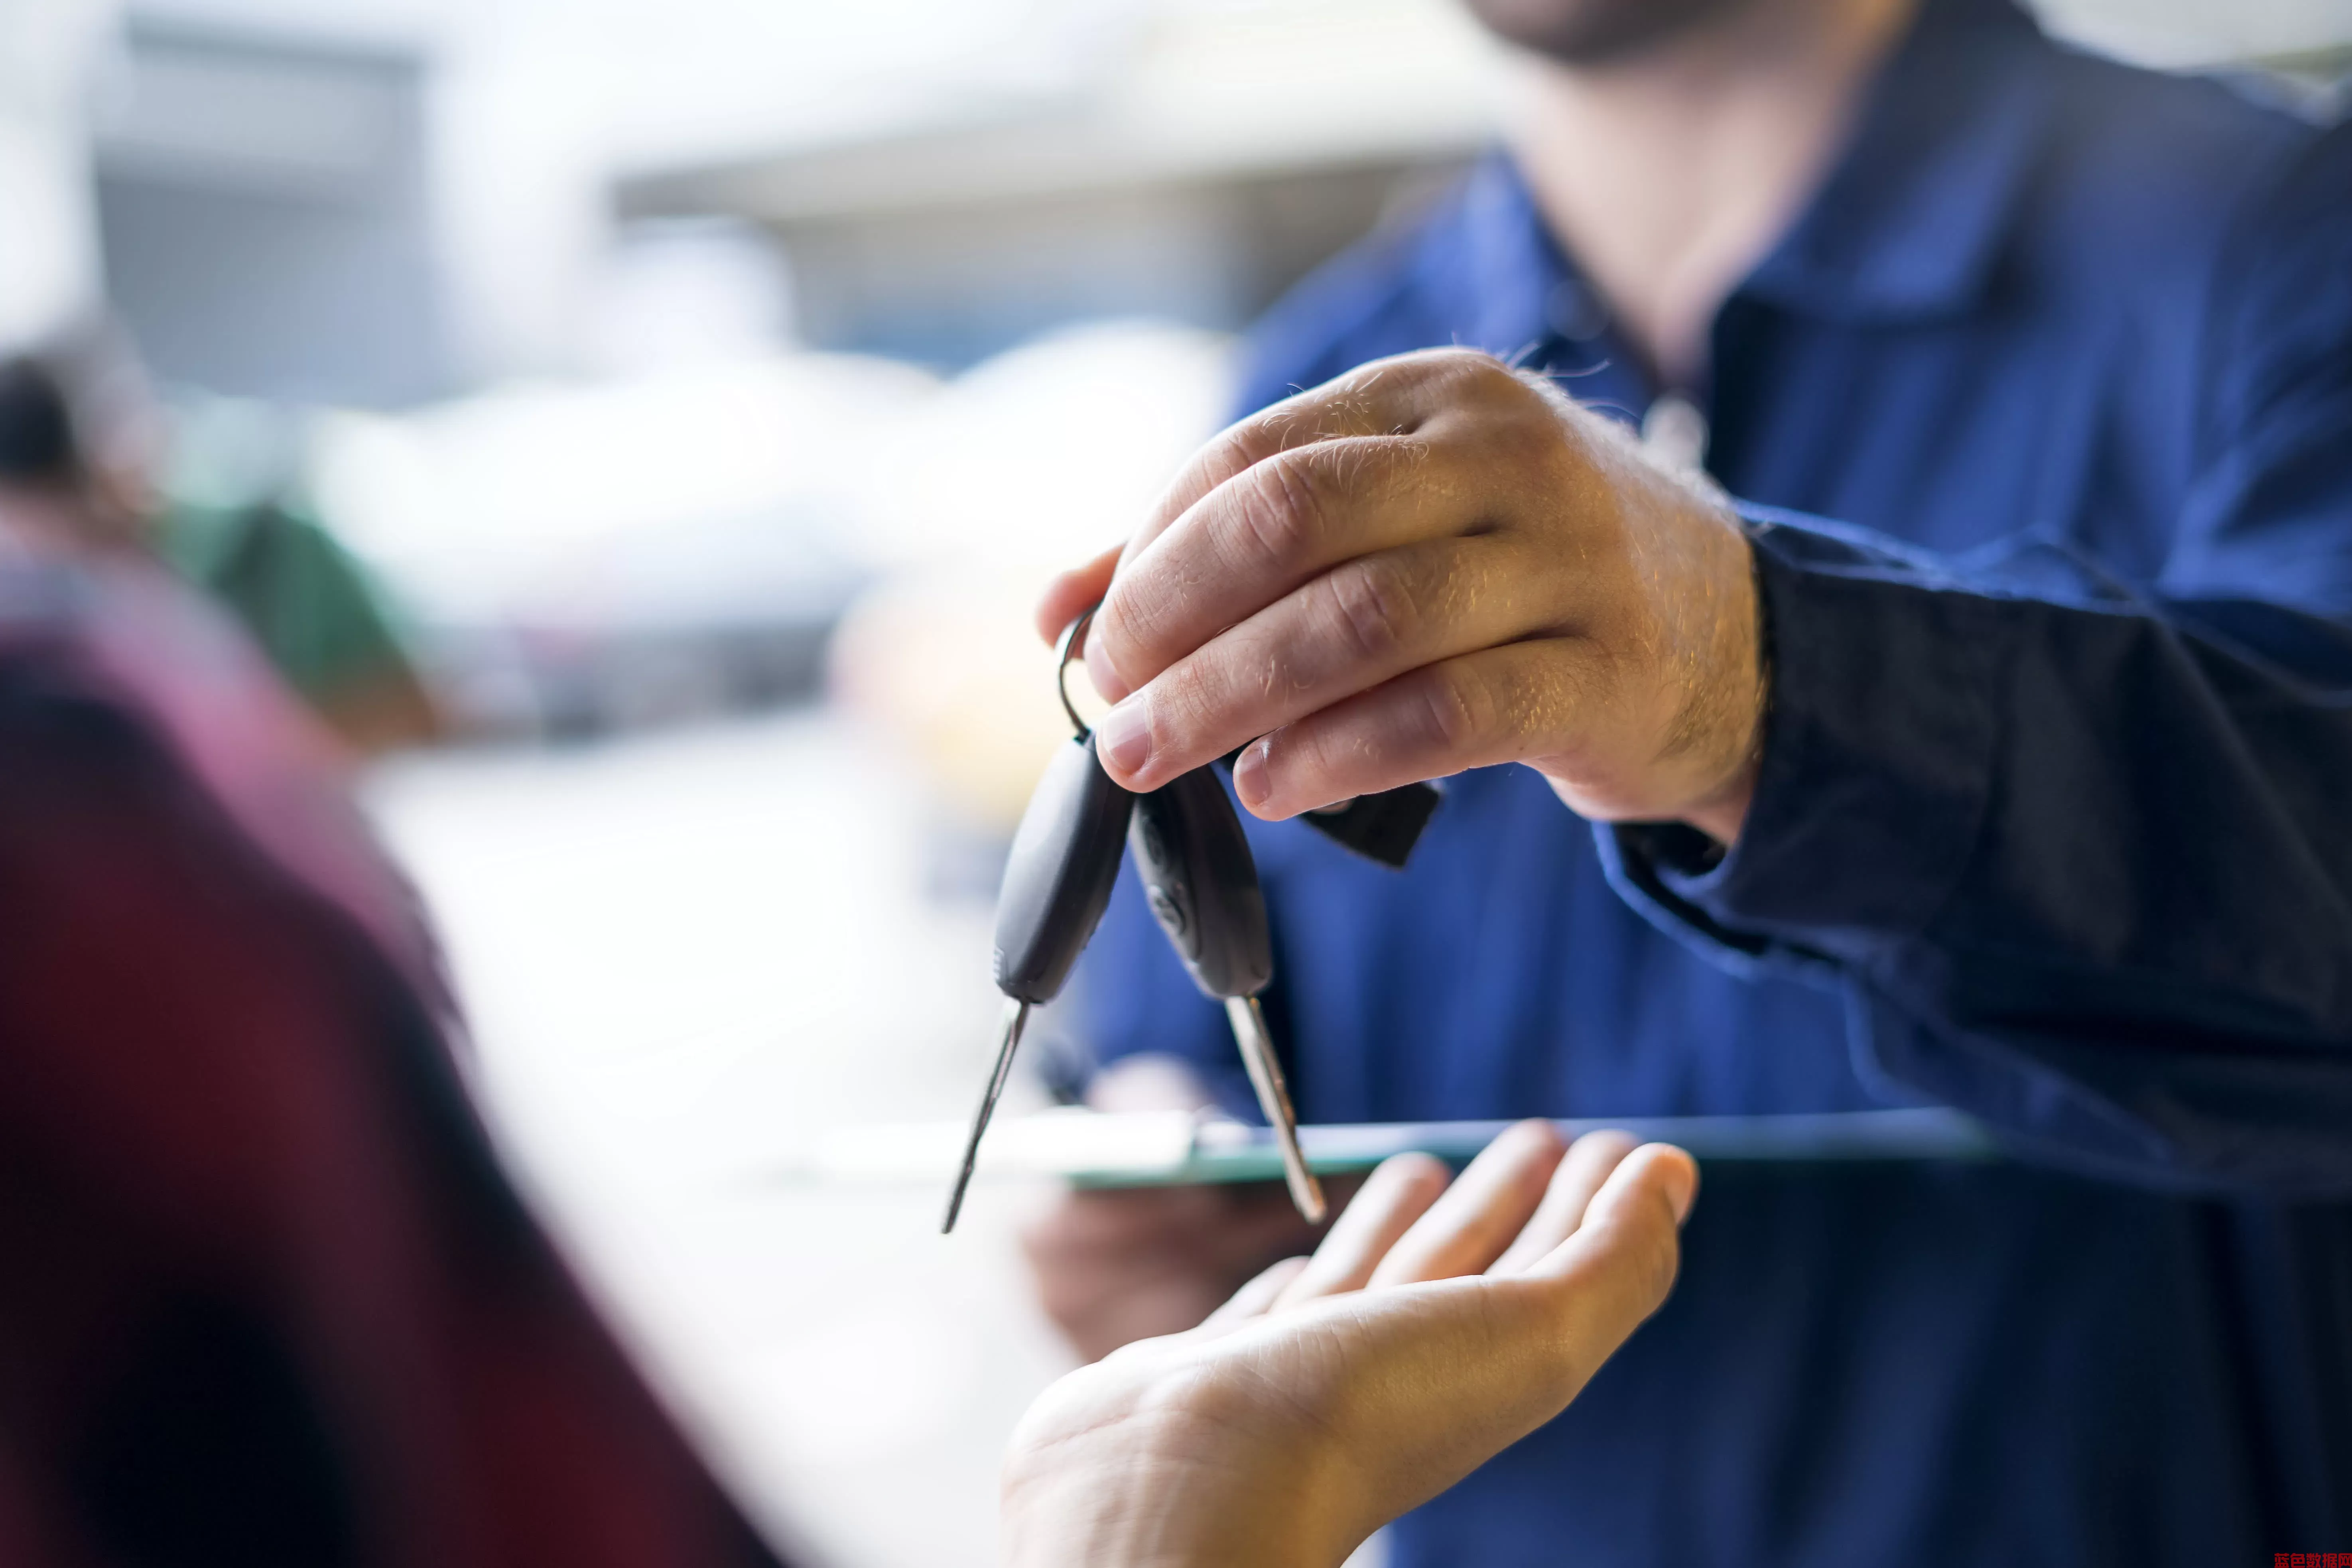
[2084, 860]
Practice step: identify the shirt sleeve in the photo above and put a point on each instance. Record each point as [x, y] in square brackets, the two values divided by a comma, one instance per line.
[2080, 852]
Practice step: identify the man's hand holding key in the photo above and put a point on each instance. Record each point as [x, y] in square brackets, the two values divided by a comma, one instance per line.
[1428, 565]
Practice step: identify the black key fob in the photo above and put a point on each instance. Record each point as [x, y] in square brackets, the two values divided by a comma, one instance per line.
[1058, 878]
[1202, 883]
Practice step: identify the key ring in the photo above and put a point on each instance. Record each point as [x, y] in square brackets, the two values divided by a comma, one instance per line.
[1073, 643]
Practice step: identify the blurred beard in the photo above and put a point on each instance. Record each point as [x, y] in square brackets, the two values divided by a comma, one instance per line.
[1595, 32]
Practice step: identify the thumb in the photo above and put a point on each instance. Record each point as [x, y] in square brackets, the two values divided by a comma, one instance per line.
[1075, 592]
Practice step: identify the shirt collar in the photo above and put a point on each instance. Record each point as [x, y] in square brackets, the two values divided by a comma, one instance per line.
[1512, 267]
[1907, 225]
[1911, 219]
[1527, 301]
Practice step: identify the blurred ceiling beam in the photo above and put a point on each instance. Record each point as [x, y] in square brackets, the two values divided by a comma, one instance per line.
[551, 118]
[1216, 95]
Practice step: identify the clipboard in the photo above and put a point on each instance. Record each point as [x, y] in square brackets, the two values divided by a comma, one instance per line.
[1177, 1148]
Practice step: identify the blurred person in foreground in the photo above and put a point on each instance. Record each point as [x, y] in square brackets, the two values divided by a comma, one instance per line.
[263, 554]
[268, 1301]
[1989, 746]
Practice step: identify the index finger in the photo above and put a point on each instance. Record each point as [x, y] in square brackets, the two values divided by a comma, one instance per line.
[1234, 452]
[1383, 398]
[1074, 592]
[1367, 401]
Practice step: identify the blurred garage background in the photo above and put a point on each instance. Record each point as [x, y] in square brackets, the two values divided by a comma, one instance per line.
[685, 399]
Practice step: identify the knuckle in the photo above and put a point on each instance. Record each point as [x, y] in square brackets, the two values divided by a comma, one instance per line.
[1185, 705]
[1130, 628]
[1282, 511]
[1477, 377]
[1459, 709]
[1270, 432]
[1316, 763]
[1375, 607]
[1457, 362]
[1528, 441]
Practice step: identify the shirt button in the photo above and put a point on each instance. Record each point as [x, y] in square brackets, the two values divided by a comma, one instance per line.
[1674, 432]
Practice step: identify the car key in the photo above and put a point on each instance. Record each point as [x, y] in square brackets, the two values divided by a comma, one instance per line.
[1057, 880]
[1201, 881]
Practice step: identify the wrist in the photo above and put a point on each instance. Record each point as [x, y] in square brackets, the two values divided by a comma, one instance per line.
[1700, 751]
[1179, 1471]
[1732, 716]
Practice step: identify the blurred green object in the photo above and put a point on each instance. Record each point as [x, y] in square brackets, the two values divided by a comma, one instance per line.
[312, 608]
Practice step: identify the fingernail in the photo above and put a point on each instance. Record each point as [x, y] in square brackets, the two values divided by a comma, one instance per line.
[1123, 738]
[1250, 780]
[1102, 672]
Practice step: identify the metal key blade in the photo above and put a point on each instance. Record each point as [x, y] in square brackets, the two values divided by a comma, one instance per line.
[1016, 1015]
[1274, 1099]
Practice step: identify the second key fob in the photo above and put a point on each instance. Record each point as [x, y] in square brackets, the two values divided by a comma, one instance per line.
[1202, 883]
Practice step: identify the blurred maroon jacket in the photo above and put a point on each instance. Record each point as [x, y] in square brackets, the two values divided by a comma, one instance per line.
[265, 1296]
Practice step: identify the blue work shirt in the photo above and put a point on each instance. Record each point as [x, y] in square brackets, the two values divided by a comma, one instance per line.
[2054, 826]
